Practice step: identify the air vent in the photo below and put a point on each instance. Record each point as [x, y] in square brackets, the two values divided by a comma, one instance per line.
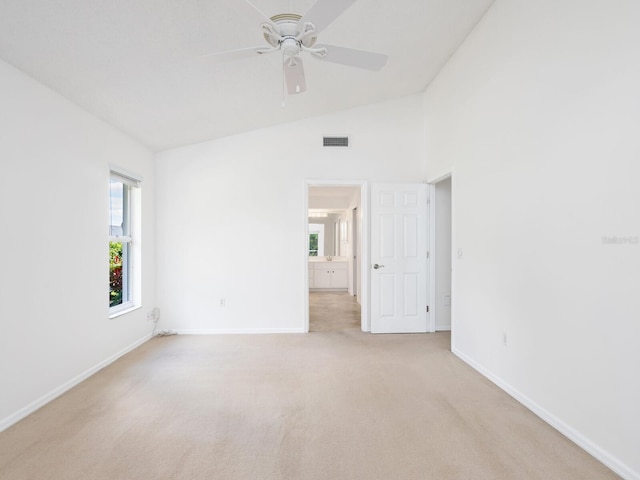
[335, 141]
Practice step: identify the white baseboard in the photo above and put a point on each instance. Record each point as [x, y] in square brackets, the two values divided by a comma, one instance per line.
[594, 450]
[238, 331]
[42, 401]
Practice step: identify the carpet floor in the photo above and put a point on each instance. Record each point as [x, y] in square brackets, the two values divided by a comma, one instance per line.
[333, 311]
[338, 404]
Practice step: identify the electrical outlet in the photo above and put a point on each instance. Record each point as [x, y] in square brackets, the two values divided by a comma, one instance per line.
[222, 302]
[504, 339]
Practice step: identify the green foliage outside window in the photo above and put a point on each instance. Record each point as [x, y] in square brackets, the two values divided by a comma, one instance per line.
[313, 244]
[115, 273]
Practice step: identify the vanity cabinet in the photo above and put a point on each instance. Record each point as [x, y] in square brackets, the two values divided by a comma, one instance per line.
[328, 275]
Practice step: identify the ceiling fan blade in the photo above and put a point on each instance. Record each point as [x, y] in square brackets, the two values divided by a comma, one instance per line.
[263, 15]
[352, 57]
[324, 12]
[294, 75]
[232, 55]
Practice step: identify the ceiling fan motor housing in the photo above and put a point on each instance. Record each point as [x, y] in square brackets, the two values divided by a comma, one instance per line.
[288, 30]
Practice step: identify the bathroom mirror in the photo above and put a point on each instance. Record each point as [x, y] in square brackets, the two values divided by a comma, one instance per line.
[327, 235]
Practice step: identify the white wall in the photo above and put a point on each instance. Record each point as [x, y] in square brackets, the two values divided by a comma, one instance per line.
[443, 254]
[538, 115]
[213, 195]
[54, 195]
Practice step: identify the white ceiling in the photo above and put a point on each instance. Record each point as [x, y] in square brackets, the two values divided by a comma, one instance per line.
[139, 64]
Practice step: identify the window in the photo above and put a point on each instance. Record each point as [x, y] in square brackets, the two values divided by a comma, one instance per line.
[316, 240]
[313, 244]
[122, 252]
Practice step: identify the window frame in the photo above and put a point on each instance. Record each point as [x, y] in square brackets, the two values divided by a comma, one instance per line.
[130, 254]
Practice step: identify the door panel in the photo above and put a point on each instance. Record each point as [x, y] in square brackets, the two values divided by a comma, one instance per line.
[387, 295]
[410, 236]
[387, 236]
[411, 296]
[399, 244]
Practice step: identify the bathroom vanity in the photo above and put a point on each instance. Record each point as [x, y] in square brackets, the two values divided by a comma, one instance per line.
[328, 274]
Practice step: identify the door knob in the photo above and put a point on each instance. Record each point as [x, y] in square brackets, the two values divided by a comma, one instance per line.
[376, 266]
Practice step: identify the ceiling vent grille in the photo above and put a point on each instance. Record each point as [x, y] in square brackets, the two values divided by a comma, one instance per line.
[335, 141]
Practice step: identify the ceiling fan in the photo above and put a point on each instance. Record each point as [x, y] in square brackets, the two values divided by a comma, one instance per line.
[294, 34]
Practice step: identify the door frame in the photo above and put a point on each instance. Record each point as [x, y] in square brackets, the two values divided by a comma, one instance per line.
[433, 253]
[363, 267]
[355, 237]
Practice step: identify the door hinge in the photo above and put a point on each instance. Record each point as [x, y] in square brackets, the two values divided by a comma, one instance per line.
[427, 308]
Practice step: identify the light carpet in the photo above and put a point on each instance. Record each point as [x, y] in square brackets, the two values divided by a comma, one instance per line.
[333, 311]
[325, 405]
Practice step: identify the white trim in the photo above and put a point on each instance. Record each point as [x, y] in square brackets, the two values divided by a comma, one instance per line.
[442, 176]
[122, 309]
[576, 437]
[432, 234]
[55, 393]
[365, 261]
[365, 322]
[120, 238]
[433, 251]
[431, 323]
[125, 176]
[305, 303]
[454, 267]
[237, 331]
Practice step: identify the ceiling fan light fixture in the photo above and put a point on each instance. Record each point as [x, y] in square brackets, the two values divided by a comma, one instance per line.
[294, 76]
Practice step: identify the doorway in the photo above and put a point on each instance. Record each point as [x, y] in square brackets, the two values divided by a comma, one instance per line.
[441, 241]
[336, 284]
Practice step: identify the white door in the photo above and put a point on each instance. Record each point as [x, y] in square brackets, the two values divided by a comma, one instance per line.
[399, 245]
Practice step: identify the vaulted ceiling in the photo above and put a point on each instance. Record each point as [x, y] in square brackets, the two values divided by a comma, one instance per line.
[142, 65]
